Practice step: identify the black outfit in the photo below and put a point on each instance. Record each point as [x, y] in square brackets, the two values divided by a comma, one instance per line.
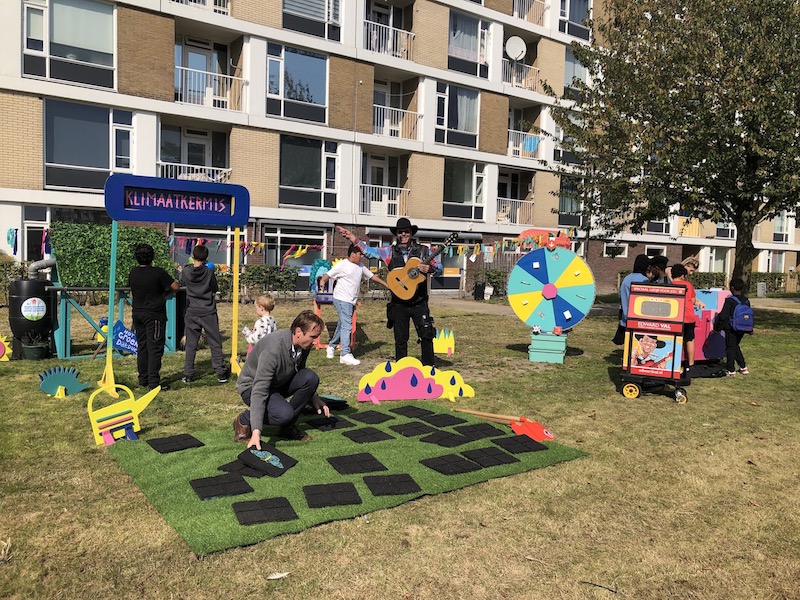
[149, 286]
[201, 315]
[733, 351]
[416, 309]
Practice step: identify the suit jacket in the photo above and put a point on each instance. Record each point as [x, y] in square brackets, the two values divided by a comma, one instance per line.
[269, 366]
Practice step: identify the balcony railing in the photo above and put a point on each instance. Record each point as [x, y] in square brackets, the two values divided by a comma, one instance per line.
[520, 75]
[690, 227]
[204, 88]
[193, 172]
[514, 212]
[388, 40]
[394, 122]
[383, 201]
[218, 6]
[530, 10]
[523, 144]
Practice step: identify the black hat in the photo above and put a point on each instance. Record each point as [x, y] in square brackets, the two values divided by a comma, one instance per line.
[659, 343]
[403, 223]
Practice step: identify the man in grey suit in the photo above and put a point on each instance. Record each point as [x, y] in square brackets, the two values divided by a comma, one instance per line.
[274, 371]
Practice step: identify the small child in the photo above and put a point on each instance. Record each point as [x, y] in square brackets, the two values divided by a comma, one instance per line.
[733, 351]
[266, 323]
[679, 273]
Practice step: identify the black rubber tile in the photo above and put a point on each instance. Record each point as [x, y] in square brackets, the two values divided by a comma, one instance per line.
[371, 417]
[391, 485]
[442, 420]
[367, 434]
[519, 443]
[490, 457]
[413, 428]
[479, 431]
[174, 443]
[329, 423]
[242, 469]
[412, 412]
[270, 460]
[451, 464]
[445, 439]
[270, 510]
[356, 463]
[230, 484]
[331, 494]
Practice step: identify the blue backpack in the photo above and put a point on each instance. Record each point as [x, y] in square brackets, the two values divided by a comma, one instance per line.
[742, 317]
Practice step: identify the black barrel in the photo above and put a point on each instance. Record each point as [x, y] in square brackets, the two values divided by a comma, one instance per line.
[31, 309]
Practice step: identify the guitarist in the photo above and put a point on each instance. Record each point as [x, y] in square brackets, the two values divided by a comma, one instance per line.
[400, 312]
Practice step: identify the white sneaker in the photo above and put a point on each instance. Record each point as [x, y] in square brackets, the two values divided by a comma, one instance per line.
[330, 351]
[349, 359]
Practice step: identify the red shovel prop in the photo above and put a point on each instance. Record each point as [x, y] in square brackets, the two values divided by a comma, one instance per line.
[533, 429]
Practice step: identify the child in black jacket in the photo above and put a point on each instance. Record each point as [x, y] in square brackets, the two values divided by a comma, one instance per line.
[733, 352]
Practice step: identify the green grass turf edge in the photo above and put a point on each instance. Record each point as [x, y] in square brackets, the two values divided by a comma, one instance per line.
[211, 525]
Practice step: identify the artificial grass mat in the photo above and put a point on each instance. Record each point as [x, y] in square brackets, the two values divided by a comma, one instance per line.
[211, 525]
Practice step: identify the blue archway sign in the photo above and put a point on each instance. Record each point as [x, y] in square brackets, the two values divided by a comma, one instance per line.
[162, 200]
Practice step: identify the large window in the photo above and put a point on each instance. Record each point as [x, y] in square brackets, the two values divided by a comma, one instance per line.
[574, 15]
[463, 190]
[84, 144]
[456, 115]
[780, 228]
[467, 45]
[314, 17]
[298, 83]
[569, 205]
[283, 242]
[308, 172]
[69, 40]
[574, 70]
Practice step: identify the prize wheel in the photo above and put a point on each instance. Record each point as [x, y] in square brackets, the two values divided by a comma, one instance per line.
[551, 288]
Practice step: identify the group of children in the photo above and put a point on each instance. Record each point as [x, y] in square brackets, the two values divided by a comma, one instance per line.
[655, 270]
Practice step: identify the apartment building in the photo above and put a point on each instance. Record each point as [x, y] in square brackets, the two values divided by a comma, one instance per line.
[328, 111]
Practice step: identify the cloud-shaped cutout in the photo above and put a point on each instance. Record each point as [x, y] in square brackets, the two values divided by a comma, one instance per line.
[409, 379]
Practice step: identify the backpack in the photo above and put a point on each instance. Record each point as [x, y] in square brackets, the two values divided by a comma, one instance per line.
[742, 317]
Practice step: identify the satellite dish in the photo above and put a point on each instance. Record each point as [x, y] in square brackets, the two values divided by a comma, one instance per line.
[515, 47]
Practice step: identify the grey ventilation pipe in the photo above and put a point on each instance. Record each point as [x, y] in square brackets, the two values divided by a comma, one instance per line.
[35, 267]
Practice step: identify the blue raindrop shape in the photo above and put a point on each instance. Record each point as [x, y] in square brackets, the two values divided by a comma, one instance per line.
[430, 388]
[414, 380]
[367, 389]
[433, 370]
[453, 380]
[388, 366]
[460, 391]
[383, 384]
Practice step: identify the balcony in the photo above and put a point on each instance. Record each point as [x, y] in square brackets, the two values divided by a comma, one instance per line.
[218, 6]
[394, 122]
[523, 144]
[514, 212]
[204, 88]
[388, 40]
[383, 201]
[520, 75]
[193, 172]
[690, 227]
[531, 11]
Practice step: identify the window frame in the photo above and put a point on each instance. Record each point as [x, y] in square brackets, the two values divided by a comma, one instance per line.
[622, 254]
[475, 208]
[444, 133]
[327, 190]
[470, 61]
[304, 22]
[278, 104]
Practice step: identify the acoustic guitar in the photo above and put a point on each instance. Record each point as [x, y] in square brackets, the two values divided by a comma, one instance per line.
[404, 281]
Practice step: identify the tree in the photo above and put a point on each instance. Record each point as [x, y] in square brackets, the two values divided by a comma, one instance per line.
[693, 108]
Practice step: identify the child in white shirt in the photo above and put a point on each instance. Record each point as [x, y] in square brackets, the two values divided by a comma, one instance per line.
[266, 323]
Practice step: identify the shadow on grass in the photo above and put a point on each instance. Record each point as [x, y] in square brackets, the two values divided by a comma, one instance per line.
[774, 319]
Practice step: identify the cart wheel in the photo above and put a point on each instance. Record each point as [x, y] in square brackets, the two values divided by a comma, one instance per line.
[680, 395]
[631, 390]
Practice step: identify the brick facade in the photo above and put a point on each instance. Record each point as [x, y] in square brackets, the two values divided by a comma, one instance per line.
[146, 54]
[545, 198]
[502, 6]
[255, 154]
[431, 24]
[426, 181]
[493, 134]
[550, 57]
[350, 94]
[260, 12]
[21, 129]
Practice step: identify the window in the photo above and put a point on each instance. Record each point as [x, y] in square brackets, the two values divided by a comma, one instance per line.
[574, 70]
[69, 40]
[718, 260]
[307, 172]
[467, 45]
[780, 228]
[658, 227]
[188, 153]
[279, 240]
[574, 15]
[775, 261]
[463, 190]
[726, 230]
[297, 83]
[315, 17]
[456, 116]
[652, 251]
[35, 224]
[218, 240]
[569, 204]
[615, 250]
[84, 144]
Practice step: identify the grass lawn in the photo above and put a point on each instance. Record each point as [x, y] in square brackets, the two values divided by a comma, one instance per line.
[672, 501]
